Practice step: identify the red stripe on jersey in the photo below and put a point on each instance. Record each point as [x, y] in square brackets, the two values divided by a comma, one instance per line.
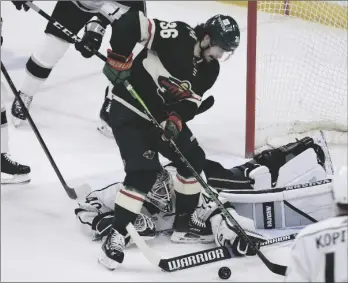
[184, 181]
[131, 195]
[149, 28]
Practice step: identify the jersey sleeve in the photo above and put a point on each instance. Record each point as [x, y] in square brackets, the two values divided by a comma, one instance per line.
[297, 270]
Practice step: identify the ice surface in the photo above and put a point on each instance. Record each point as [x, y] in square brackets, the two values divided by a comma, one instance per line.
[39, 237]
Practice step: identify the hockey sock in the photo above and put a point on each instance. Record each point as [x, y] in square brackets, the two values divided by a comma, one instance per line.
[41, 63]
[187, 191]
[128, 204]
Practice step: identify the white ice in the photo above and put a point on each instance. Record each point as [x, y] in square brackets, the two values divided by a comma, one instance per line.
[39, 237]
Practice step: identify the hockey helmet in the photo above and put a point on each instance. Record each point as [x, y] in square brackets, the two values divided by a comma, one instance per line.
[223, 31]
[340, 186]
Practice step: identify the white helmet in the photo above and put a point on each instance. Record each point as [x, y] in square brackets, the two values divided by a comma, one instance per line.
[340, 186]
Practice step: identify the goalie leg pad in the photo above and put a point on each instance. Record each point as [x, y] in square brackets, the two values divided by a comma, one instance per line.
[301, 169]
[274, 159]
[261, 178]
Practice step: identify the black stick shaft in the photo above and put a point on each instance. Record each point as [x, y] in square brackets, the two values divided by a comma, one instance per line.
[70, 191]
[274, 267]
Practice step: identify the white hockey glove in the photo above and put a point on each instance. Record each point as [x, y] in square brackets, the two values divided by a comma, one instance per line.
[225, 234]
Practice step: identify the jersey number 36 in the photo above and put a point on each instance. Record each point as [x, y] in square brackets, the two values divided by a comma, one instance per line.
[168, 30]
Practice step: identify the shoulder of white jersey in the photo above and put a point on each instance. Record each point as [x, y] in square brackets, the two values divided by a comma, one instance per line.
[322, 226]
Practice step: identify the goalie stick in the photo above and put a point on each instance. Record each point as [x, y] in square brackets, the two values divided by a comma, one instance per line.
[275, 268]
[70, 191]
[278, 190]
[192, 259]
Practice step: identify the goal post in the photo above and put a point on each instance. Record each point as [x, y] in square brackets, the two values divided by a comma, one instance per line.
[296, 72]
[251, 79]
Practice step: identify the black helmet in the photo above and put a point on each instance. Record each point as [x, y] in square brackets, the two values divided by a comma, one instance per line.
[223, 31]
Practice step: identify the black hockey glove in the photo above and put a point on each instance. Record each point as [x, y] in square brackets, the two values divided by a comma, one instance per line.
[92, 39]
[117, 68]
[172, 126]
[21, 4]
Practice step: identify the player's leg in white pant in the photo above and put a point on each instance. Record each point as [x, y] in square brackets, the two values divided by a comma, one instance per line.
[54, 45]
[11, 171]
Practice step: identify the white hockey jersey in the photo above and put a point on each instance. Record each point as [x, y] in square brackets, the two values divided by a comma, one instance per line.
[319, 253]
[111, 9]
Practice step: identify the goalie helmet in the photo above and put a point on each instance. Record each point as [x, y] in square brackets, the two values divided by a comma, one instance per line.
[223, 31]
[340, 188]
[161, 193]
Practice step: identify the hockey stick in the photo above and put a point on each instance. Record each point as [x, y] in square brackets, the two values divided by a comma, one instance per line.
[72, 36]
[279, 239]
[70, 191]
[192, 259]
[277, 190]
[275, 268]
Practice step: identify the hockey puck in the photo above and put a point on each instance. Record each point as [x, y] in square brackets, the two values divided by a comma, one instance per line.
[224, 272]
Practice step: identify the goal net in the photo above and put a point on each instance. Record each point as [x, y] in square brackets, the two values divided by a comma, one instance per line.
[297, 51]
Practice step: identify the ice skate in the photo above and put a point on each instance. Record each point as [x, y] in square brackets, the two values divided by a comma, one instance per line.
[188, 228]
[104, 115]
[144, 225]
[18, 115]
[13, 172]
[113, 250]
[105, 129]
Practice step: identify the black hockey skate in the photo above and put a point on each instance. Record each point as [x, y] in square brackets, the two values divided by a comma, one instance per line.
[144, 225]
[104, 115]
[13, 172]
[113, 250]
[18, 115]
[188, 228]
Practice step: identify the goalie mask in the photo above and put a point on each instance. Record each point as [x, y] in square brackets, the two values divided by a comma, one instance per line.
[161, 192]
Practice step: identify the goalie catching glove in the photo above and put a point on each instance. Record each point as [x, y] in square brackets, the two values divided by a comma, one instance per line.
[226, 234]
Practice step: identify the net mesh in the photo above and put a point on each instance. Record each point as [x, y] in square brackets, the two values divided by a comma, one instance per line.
[301, 70]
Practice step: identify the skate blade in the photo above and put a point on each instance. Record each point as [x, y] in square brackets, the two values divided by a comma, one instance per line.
[105, 130]
[185, 238]
[7, 179]
[108, 263]
[17, 122]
